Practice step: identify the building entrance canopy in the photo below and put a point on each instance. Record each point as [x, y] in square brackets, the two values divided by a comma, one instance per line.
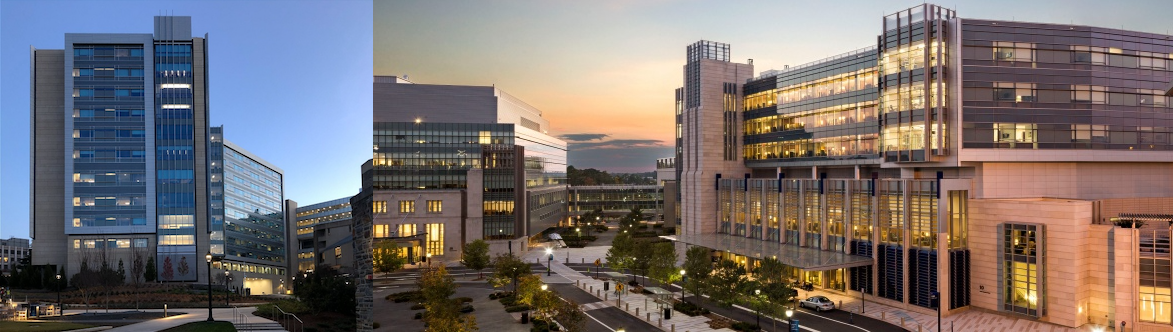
[808, 259]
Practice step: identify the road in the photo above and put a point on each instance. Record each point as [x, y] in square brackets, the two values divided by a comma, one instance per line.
[835, 320]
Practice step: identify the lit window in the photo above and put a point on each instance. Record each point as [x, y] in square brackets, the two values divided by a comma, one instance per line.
[338, 252]
[406, 206]
[435, 206]
[176, 106]
[382, 231]
[379, 207]
[76, 244]
[435, 239]
[175, 86]
[406, 230]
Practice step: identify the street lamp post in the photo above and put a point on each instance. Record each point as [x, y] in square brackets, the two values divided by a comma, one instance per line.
[208, 257]
[226, 293]
[59, 311]
[428, 258]
[549, 260]
[757, 308]
[790, 318]
[936, 296]
[683, 280]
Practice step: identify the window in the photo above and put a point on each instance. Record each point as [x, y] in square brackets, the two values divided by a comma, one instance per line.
[382, 231]
[379, 207]
[1021, 270]
[1154, 292]
[406, 206]
[435, 206]
[436, 239]
[140, 243]
[176, 240]
[406, 230]
[337, 252]
[178, 221]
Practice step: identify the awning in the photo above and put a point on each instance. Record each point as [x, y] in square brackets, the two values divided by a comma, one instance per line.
[808, 259]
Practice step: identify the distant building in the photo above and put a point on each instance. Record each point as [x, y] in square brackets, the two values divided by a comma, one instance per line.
[248, 224]
[12, 251]
[324, 235]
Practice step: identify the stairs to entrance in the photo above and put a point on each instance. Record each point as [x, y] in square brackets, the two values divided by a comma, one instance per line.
[266, 326]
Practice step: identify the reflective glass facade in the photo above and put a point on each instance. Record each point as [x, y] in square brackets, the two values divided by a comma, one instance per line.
[254, 227]
[1048, 86]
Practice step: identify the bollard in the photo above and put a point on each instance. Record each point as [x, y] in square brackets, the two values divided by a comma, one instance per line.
[636, 311]
[840, 304]
[902, 322]
[673, 328]
[660, 322]
[883, 315]
[164, 310]
[583, 260]
[617, 303]
[627, 307]
[649, 317]
[605, 295]
[645, 302]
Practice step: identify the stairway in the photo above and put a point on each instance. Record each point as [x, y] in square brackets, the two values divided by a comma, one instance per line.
[266, 326]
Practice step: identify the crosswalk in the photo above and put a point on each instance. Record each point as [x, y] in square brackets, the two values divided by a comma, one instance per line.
[595, 305]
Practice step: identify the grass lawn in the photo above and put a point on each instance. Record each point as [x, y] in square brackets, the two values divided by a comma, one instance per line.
[40, 326]
[217, 326]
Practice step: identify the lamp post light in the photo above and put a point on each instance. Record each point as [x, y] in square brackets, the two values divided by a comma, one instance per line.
[549, 259]
[790, 319]
[757, 308]
[208, 257]
[226, 293]
[59, 311]
[428, 258]
[683, 280]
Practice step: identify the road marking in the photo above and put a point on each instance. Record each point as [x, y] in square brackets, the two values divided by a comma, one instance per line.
[597, 321]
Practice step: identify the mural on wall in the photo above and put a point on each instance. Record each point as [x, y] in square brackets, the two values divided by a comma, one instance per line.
[176, 267]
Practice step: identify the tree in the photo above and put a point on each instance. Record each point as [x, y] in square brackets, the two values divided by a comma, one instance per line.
[507, 268]
[137, 272]
[443, 314]
[697, 266]
[771, 271]
[150, 273]
[476, 256]
[727, 283]
[632, 219]
[528, 286]
[662, 264]
[641, 260]
[387, 257]
[621, 255]
[325, 289]
[570, 315]
[168, 271]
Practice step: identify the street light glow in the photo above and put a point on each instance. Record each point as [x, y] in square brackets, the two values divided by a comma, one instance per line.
[544, 286]
[789, 313]
[549, 250]
[681, 272]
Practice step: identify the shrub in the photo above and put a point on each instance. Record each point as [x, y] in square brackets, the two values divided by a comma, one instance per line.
[406, 296]
[746, 327]
[467, 308]
[508, 301]
[658, 226]
[418, 315]
[517, 308]
[600, 228]
[463, 299]
[290, 306]
[417, 306]
[690, 309]
[375, 325]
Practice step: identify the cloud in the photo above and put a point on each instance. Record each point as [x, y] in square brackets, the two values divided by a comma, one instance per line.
[583, 137]
[617, 144]
[622, 160]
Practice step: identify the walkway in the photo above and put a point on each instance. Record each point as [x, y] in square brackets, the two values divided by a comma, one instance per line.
[245, 322]
[634, 304]
[970, 320]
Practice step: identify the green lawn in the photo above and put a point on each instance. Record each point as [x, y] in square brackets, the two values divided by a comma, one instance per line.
[37, 326]
[217, 326]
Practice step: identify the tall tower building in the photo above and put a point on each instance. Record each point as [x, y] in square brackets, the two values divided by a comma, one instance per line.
[119, 150]
[709, 126]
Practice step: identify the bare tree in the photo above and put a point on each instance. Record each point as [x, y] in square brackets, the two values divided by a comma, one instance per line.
[84, 280]
[137, 268]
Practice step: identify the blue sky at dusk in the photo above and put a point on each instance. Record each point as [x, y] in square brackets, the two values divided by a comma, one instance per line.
[290, 81]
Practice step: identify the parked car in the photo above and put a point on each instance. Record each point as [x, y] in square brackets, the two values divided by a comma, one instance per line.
[818, 303]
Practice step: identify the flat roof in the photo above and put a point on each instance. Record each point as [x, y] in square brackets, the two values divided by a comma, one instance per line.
[808, 259]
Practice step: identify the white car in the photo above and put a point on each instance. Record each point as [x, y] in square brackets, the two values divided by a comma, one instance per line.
[818, 303]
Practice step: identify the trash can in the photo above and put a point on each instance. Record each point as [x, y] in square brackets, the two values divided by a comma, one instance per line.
[525, 317]
[667, 313]
[606, 285]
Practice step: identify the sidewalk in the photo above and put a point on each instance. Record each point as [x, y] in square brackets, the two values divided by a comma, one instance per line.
[970, 320]
[193, 315]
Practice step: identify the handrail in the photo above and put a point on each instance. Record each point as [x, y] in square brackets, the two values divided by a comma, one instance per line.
[285, 318]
